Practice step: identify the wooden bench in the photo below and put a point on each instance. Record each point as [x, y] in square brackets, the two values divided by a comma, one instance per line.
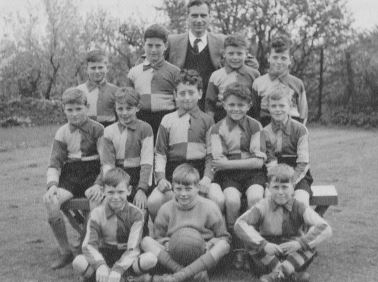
[77, 210]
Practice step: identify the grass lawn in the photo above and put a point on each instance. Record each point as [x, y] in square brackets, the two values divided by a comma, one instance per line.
[347, 158]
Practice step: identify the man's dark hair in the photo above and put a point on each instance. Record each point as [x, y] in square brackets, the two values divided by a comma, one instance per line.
[198, 3]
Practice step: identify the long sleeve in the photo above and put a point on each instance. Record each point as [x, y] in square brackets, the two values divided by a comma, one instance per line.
[133, 250]
[303, 157]
[58, 157]
[161, 151]
[246, 227]
[218, 224]
[318, 232]
[302, 104]
[146, 160]
[216, 146]
[208, 170]
[161, 224]
[258, 146]
[211, 96]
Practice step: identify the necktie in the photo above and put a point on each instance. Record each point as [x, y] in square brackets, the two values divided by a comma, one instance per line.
[195, 45]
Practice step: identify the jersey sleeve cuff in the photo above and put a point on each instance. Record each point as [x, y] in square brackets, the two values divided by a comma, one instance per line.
[51, 183]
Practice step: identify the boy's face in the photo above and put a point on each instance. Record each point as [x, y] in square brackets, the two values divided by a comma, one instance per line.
[279, 109]
[126, 113]
[236, 108]
[235, 56]
[97, 71]
[117, 196]
[279, 62]
[187, 96]
[281, 193]
[154, 48]
[199, 19]
[185, 195]
[76, 113]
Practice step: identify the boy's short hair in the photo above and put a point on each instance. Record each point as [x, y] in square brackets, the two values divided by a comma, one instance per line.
[156, 31]
[185, 174]
[278, 92]
[96, 56]
[191, 77]
[235, 40]
[127, 95]
[281, 173]
[74, 95]
[115, 176]
[280, 43]
[198, 3]
[239, 90]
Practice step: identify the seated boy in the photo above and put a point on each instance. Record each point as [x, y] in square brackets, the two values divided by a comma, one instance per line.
[129, 144]
[278, 74]
[155, 78]
[114, 231]
[272, 229]
[99, 92]
[238, 156]
[74, 165]
[182, 139]
[188, 209]
[234, 70]
[287, 142]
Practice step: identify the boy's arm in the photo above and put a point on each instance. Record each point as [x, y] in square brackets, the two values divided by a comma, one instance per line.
[257, 98]
[303, 157]
[218, 225]
[302, 104]
[133, 250]
[107, 153]
[161, 224]
[130, 78]
[208, 172]
[161, 151]
[211, 97]
[91, 241]
[318, 232]
[99, 137]
[58, 157]
[146, 159]
[246, 227]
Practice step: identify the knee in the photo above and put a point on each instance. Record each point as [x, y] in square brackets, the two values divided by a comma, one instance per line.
[147, 244]
[254, 194]
[232, 197]
[147, 261]
[302, 196]
[82, 267]
[154, 202]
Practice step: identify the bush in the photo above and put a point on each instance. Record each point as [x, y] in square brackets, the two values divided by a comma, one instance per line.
[365, 118]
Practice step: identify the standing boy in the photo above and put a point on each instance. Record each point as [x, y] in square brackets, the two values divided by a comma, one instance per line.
[74, 165]
[155, 78]
[182, 139]
[238, 156]
[287, 141]
[188, 209]
[278, 74]
[99, 92]
[272, 229]
[129, 144]
[114, 232]
[234, 70]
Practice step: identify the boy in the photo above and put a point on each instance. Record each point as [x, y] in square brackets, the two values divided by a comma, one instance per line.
[188, 209]
[287, 141]
[235, 54]
[238, 156]
[272, 229]
[278, 74]
[74, 165]
[129, 144]
[99, 92]
[182, 139]
[155, 78]
[114, 231]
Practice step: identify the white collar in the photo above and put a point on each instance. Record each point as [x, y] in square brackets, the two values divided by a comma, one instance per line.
[203, 38]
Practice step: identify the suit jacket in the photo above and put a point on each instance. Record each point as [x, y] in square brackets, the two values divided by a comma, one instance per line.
[178, 47]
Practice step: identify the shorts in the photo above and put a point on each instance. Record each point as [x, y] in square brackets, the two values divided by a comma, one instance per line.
[241, 179]
[134, 173]
[305, 183]
[78, 176]
[170, 167]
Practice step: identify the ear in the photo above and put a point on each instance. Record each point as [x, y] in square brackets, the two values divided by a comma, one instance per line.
[129, 189]
[200, 93]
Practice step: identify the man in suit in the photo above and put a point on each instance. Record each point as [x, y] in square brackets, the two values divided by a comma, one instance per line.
[197, 49]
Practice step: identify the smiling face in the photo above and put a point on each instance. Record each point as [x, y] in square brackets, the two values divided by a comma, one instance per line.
[117, 196]
[199, 19]
[154, 48]
[97, 71]
[185, 194]
[187, 96]
[279, 109]
[279, 62]
[236, 107]
[126, 113]
[281, 193]
[235, 56]
[76, 113]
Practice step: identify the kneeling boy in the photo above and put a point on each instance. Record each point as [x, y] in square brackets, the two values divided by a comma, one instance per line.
[114, 231]
[272, 229]
[188, 209]
[74, 166]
